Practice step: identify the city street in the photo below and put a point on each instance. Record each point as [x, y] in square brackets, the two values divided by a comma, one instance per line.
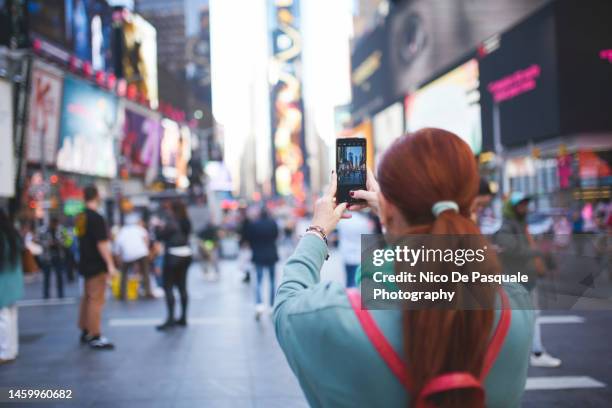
[142, 135]
[224, 358]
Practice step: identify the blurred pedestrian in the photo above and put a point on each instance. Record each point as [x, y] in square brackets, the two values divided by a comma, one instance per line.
[53, 257]
[428, 181]
[482, 201]
[132, 244]
[349, 243]
[244, 255]
[177, 258]
[262, 235]
[69, 248]
[97, 266]
[518, 252]
[578, 237]
[209, 241]
[11, 288]
[562, 230]
[602, 242]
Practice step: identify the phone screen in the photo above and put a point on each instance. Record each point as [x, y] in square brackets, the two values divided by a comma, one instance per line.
[350, 168]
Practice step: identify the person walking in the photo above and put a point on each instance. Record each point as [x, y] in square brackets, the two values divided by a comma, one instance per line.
[11, 288]
[518, 253]
[69, 250]
[53, 259]
[244, 254]
[344, 355]
[208, 241]
[132, 246]
[349, 243]
[97, 267]
[262, 235]
[177, 259]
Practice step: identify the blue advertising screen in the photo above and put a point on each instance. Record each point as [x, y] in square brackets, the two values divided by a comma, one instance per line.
[88, 130]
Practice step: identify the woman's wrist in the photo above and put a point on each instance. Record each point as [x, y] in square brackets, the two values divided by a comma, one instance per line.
[319, 232]
[314, 234]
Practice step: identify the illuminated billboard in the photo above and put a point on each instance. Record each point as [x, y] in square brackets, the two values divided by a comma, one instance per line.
[88, 130]
[44, 114]
[139, 146]
[388, 126]
[175, 153]
[290, 170]
[451, 102]
[198, 69]
[139, 56]
[83, 28]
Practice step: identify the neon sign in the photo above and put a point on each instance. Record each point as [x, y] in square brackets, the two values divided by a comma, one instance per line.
[515, 84]
[606, 55]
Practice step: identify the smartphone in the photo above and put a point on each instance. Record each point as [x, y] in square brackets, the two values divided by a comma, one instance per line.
[350, 168]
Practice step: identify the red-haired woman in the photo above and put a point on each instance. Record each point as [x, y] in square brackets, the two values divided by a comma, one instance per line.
[347, 357]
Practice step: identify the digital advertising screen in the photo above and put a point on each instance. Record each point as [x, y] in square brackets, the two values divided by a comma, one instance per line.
[419, 39]
[198, 71]
[175, 153]
[452, 103]
[521, 82]
[290, 162]
[88, 130]
[81, 27]
[47, 19]
[97, 48]
[139, 56]
[584, 41]
[388, 125]
[140, 143]
[370, 83]
[45, 102]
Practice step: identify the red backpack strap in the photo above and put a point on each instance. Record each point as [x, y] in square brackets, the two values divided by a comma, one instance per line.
[462, 380]
[441, 383]
[378, 339]
[447, 382]
[499, 336]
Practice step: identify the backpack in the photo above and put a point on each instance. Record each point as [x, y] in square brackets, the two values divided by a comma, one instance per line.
[443, 382]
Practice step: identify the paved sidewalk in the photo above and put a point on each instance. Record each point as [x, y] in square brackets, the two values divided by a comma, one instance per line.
[227, 359]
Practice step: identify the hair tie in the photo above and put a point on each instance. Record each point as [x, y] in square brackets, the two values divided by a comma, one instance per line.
[441, 206]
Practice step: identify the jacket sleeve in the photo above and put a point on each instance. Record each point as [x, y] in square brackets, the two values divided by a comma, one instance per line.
[301, 292]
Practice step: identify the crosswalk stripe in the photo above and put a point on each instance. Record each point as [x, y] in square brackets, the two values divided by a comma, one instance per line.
[196, 321]
[561, 383]
[46, 302]
[560, 319]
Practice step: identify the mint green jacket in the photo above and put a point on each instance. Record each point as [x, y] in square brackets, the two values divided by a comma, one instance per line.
[335, 362]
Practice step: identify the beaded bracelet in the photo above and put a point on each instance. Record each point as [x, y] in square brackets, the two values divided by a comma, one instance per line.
[321, 232]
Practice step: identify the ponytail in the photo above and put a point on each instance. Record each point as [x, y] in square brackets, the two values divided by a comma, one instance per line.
[442, 341]
[416, 172]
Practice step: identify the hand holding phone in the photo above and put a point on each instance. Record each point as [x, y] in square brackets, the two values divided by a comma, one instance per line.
[351, 169]
[327, 213]
[369, 196]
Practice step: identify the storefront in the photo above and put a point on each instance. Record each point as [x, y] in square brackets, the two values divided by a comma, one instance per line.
[562, 174]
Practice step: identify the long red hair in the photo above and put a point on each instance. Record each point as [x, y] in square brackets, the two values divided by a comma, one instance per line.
[417, 171]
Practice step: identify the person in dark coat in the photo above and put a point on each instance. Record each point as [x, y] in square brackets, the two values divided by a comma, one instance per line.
[177, 258]
[261, 236]
[518, 252]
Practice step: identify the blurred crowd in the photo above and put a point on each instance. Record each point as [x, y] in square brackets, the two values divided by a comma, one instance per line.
[150, 252]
